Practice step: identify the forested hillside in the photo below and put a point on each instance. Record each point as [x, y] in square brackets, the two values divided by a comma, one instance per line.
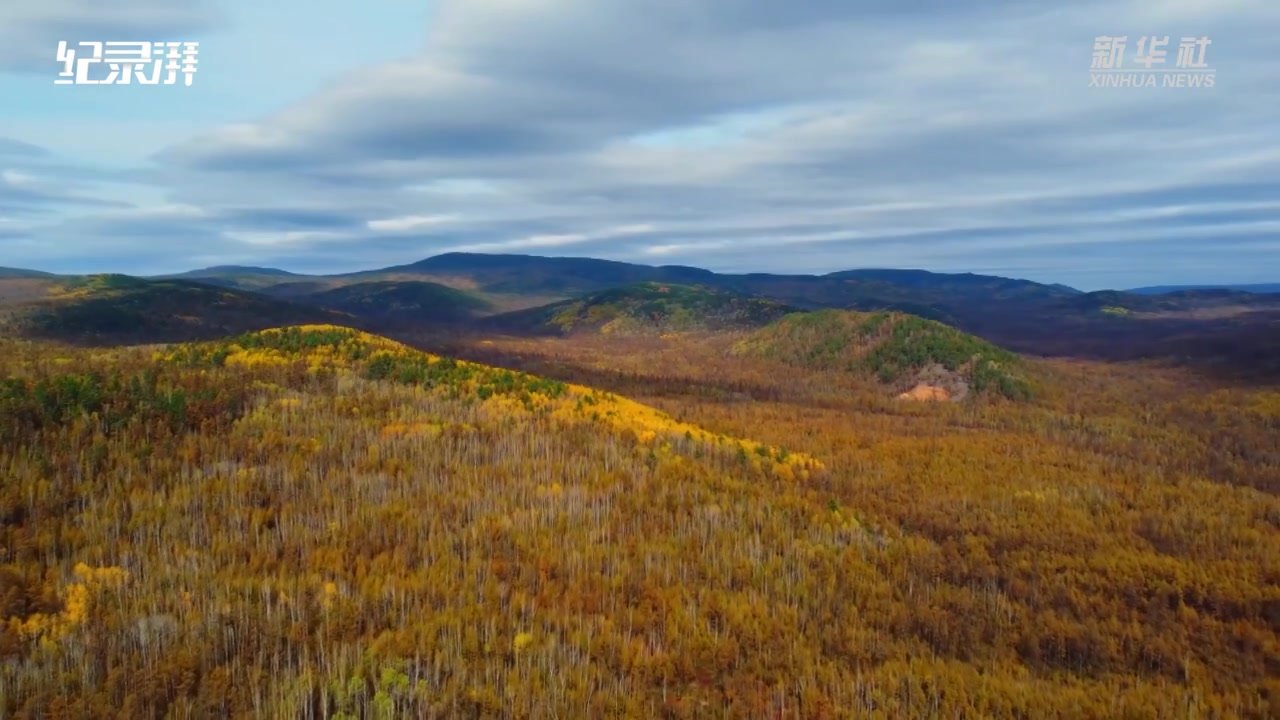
[895, 348]
[400, 303]
[120, 309]
[315, 522]
[651, 307]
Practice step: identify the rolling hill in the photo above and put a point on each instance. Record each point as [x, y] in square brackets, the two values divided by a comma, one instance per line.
[1204, 302]
[240, 277]
[402, 302]
[7, 272]
[650, 307]
[119, 309]
[922, 358]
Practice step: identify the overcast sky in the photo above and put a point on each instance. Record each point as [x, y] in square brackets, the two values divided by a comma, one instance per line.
[737, 135]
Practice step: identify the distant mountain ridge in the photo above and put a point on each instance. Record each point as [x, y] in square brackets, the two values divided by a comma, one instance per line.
[590, 272]
[401, 302]
[231, 269]
[242, 277]
[1166, 289]
[1229, 329]
[508, 282]
[533, 274]
[646, 307]
[595, 273]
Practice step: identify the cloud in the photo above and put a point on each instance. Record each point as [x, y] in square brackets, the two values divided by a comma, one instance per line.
[30, 30]
[292, 237]
[17, 148]
[532, 242]
[23, 193]
[755, 136]
[409, 223]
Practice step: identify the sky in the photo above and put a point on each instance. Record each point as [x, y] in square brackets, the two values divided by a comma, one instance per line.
[737, 135]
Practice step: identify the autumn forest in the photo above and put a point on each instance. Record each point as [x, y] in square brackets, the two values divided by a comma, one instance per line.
[317, 522]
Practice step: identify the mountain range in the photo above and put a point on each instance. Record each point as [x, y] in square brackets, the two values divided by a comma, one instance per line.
[1234, 329]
